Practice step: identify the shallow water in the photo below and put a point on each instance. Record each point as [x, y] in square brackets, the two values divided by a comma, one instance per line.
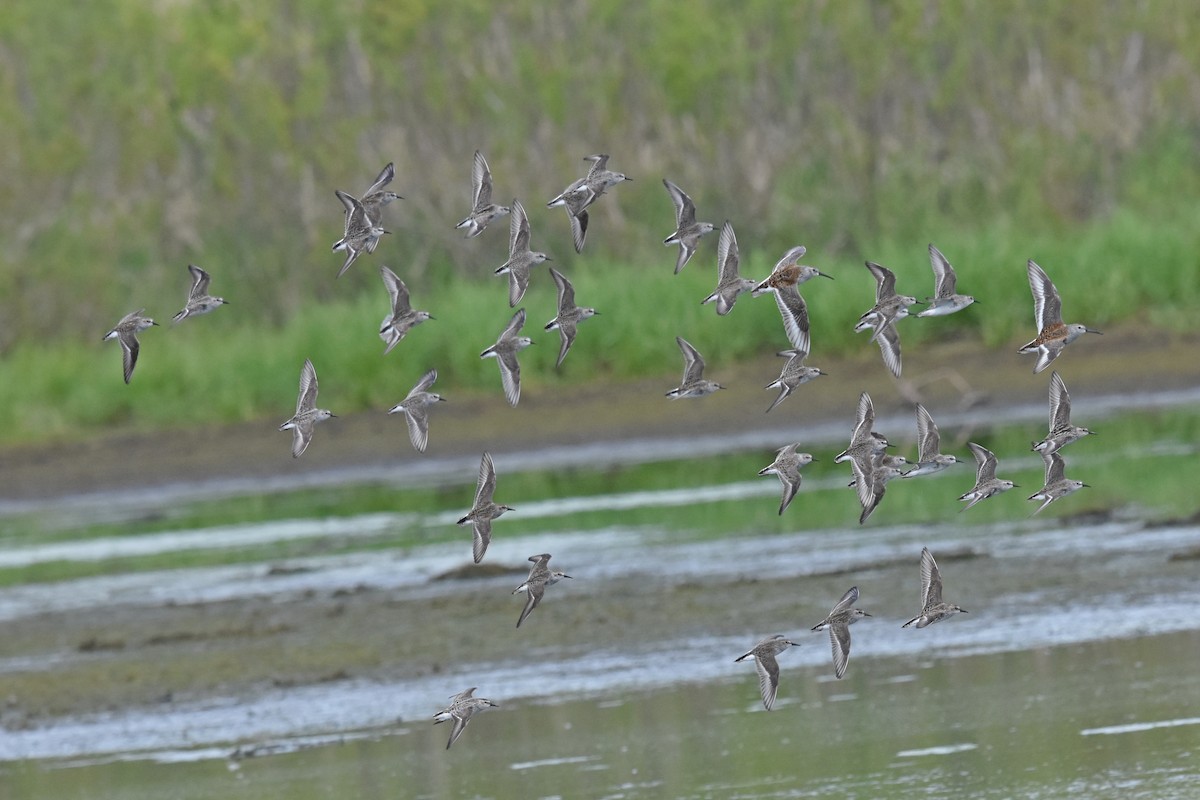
[1072, 673]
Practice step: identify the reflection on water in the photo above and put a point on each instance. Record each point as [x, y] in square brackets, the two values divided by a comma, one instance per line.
[1015, 724]
[1073, 673]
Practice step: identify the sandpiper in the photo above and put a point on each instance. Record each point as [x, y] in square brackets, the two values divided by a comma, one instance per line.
[729, 283]
[364, 216]
[583, 192]
[198, 301]
[462, 707]
[864, 442]
[768, 668]
[521, 259]
[402, 319]
[786, 467]
[485, 509]
[126, 332]
[944, 300]
[376, 197]
[882, 460]
[535, 585]
[505, 352]
[415, 407]
[1062, 432]
[788, 271]
[929, 459]
[838, 622]
[307, 414]
[794, 374]
[932, 608]
[986, 482]
[871, 477]
[1057, 483]
[569, 315]
[693, 383]
[687, 231]
[483, 210]
[361, 235]
[889, 306]
[1053, 335]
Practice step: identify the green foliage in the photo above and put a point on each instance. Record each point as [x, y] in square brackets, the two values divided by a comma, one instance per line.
[999, 131]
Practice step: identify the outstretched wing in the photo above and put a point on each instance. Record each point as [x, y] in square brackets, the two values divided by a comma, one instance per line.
[944, 279]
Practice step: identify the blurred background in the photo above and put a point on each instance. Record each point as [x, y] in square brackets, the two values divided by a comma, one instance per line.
[188, 611]
[140, 137]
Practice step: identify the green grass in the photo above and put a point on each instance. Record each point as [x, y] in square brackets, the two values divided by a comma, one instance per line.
[233, 366]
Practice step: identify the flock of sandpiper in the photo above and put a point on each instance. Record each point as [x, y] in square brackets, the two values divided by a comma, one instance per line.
[872, 467]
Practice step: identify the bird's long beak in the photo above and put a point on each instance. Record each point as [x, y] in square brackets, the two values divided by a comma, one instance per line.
[823, 275]
[1092, 330]
[573, 578]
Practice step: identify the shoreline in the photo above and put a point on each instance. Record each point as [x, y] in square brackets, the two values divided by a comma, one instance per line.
[948, 377]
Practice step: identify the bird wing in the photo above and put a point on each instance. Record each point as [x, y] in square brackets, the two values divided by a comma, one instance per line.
[790, 257]
[1047, 306]
[579, 226]
[518, 229]
[200, 280]
[685, 210]
[790, 487]
[931, 580]
[986, 461]
[518, 283]
[864, 420]
[566, 292]
[839, 641]
[510, 375]
[306, 399]
[848, 599]
[426, 381]
[768, 678]
[944, 279]
[487, 480]
[129, 351]
[693, 363]
[535, 591]
[1056, 468]
[481, 182]
[794, 313]
[1060, 403]
[885, 281]
[483, 537]
[889, 347]
[382, 179]
[301, 436]
[566, 335]
[418, 426]
[928, 438]
[396, 290]
[727, 255]
[514, 325]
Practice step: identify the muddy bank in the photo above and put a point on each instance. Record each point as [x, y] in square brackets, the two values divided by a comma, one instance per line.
[946, 376]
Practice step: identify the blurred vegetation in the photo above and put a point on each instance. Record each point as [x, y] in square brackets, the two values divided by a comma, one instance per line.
[138, 137]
